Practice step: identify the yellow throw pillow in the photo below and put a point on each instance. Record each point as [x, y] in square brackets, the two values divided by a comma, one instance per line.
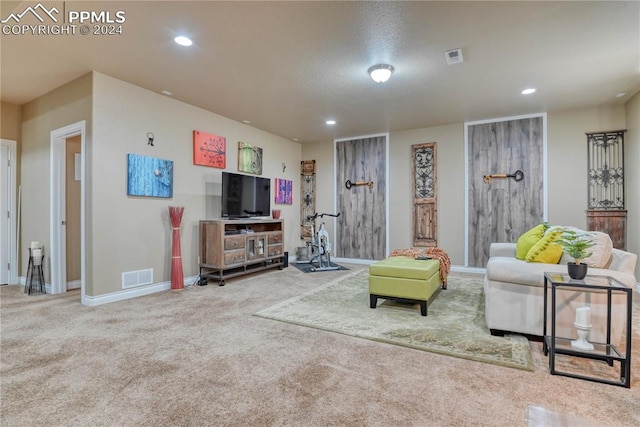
[545, 250]
[528, 239]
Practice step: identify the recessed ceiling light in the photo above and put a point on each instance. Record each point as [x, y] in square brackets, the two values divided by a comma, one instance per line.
[246, 121]
[528, 91]
[166, 92]
[183, 41]
[295, 139]
[621, 94]
[330, 122]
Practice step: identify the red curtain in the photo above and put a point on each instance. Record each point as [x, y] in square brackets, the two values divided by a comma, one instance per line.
[177, 275]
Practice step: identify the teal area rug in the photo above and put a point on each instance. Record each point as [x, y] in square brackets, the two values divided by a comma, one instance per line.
[455, 324]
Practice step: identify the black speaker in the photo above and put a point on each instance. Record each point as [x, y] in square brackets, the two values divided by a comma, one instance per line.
[285, 260]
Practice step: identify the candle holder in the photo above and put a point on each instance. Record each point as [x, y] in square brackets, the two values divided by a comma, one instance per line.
[583, 325]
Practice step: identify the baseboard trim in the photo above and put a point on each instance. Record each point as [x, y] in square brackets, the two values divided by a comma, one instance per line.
[463, 269]
[132, 293]
[22, 281]
[353, 260]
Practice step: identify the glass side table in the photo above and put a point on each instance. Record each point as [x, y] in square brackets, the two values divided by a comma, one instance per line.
[553, 345]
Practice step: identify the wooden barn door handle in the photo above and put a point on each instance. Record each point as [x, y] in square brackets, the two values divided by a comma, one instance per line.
[517, 176]
[350, 184]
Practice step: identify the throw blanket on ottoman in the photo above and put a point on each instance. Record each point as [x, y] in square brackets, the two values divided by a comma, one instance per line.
[433, 253]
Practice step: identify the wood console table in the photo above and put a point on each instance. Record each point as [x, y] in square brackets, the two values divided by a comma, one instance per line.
[230, 248]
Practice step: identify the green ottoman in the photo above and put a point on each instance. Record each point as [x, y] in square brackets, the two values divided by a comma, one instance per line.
[404, 279]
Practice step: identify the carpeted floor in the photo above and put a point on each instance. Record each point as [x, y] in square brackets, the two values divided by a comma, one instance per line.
[201, 358]
[455, 324]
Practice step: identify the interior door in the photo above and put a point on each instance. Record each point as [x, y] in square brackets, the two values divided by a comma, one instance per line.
[501, 209]
[5, 241]
[72, 212]
[362, 225]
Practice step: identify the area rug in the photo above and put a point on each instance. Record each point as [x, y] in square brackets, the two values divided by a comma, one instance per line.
[455, 325]
[308, 268]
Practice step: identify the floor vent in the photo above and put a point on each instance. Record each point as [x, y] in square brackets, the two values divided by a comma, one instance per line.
[131, 279]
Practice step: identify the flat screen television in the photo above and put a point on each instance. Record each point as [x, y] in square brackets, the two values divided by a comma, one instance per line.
[245, 196]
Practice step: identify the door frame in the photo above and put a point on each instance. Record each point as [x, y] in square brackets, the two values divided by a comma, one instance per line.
[545, 193]
[386, 193]
[58, 252]
[11, 195]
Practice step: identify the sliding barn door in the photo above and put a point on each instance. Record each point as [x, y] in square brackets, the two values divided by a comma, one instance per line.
[361, 227]
[501, 209]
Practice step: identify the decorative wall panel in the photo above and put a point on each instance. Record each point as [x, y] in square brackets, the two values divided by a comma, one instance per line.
[425, 203]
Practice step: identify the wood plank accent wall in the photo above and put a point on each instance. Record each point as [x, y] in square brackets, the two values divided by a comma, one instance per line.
[503, 209]
[361, 227]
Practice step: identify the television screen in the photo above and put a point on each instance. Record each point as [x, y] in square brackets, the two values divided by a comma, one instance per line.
[245, 196]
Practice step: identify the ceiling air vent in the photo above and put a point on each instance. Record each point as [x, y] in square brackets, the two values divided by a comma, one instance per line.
[453, 56]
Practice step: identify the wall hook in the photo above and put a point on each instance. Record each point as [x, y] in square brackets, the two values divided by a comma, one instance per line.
[150, 137]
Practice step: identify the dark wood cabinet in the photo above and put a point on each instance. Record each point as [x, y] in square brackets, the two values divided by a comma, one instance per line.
[612, 222]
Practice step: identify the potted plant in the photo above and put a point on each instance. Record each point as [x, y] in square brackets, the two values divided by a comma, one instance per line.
[577, 246]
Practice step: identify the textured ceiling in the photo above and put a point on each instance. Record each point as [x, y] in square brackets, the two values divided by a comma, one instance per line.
[289, 66]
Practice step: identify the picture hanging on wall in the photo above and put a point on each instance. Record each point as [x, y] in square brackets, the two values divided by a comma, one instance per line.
[209, 150]
[149, 176]
[249, 158]
[284, 191]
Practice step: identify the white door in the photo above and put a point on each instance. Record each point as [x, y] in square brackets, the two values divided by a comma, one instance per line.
[8, 207]
[4, 215]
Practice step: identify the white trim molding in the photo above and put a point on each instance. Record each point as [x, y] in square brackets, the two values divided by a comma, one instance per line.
[133, 292]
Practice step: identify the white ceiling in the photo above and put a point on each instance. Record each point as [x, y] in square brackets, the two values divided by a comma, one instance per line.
[289, 66]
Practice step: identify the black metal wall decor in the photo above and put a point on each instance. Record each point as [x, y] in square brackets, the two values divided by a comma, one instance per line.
[424, 172]
[606, 170]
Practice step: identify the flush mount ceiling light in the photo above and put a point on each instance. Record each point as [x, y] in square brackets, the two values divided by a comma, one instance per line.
[183, 41]
[528, 91]
[380, 73]
[330, 122]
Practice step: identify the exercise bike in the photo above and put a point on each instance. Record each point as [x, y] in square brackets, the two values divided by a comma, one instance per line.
[319, 248]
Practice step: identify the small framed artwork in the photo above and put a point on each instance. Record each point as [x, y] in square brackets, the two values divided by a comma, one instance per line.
[209, 150]
[249, 158]
[149, 176]
[284, 191]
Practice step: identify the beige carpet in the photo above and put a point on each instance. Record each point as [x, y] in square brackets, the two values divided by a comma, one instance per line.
[200, 358]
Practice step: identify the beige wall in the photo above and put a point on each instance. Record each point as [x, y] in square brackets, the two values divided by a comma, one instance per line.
[567, 159]
[68, 104]
[132, 233]
[632, 178]
[11, 128]
[11, 118]
[450, 187]
[567, 171]
[322, 153]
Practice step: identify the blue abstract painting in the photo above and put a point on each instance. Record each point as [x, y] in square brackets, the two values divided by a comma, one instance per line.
[149, 176]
